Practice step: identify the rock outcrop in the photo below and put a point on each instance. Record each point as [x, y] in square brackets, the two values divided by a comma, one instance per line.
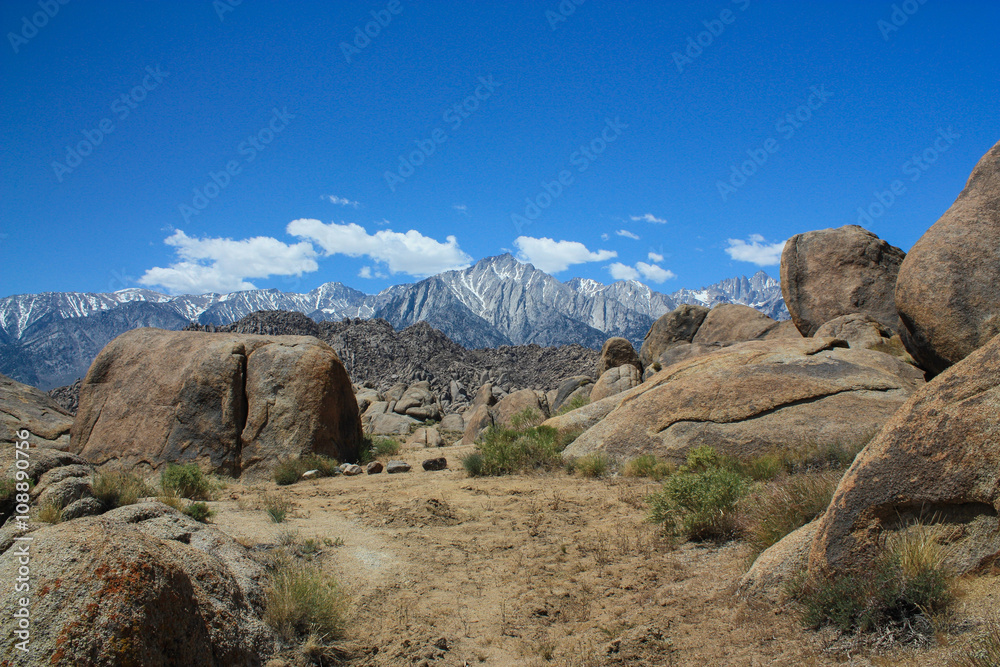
[141, 585]
[937, 458]
[947, 292]
[833, 272]
[678, 326]
[614, 381]
[229, 402]
[23, 407]
[733, 323]
[756, 397]
[617, 352]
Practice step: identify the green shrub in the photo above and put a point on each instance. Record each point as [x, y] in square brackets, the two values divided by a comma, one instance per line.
[384, 447]
[699, 502]
[567, 437]
[594, 465]
[647, 465]
[187, 481]
[775, 510]
[290, 471]
[115, 488]
[519, 448]
[908, 578]
[574, 403]
[199, 512]
[276, 506]
[474, 464]
[301, 599]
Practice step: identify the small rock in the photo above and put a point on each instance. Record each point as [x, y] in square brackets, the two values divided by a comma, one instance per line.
[350, 469]
[83, 507]
[310, 474]
[435, 464]
[442, 643]
[374, 468]
[397, 466]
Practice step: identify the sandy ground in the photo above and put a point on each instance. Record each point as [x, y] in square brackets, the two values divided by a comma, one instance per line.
[550, 569]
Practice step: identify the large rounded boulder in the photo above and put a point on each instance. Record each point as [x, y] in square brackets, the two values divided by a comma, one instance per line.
[947, 292]
[937, 460]
[141, 585]
[674, 328]
[756, 397]
[833, 272]
[229, 402]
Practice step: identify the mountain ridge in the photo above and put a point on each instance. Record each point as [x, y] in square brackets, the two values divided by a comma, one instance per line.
[49, 339]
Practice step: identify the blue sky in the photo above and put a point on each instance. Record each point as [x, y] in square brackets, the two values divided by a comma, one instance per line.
[276, 144]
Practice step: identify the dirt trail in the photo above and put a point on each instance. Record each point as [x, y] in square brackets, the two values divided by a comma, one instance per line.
[525, 570]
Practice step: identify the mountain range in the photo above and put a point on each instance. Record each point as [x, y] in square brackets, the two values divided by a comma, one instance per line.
[50, 339]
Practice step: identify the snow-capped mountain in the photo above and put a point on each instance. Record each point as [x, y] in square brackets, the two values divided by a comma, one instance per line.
[50, 339]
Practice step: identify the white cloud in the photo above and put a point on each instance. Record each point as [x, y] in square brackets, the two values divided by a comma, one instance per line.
[342, 201]
[555, 256]
[410, 252]
[222, 265]
[654, 273]
[649, 272]
[621, 271]
[757, 251]
[605, 237]
[365, 272]
[461, 208]
[627, 234]
[654, 257]
[648, 217]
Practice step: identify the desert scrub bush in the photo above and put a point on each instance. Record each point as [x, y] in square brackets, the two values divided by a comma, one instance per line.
[49, 513]
[774, 510]
[116, 488]
[276, 506]
[186, 481]
[172, 500]
[474, 464]
[7, 488]
[984, 652]
[647, 465]
[519, 448]
[290, 471]
[574, 403]
[199, 511]
[566, 438]
[301, 599]
[909, 578]
[374, 447]
[699, 501]
[594, 465]
[384, 447]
